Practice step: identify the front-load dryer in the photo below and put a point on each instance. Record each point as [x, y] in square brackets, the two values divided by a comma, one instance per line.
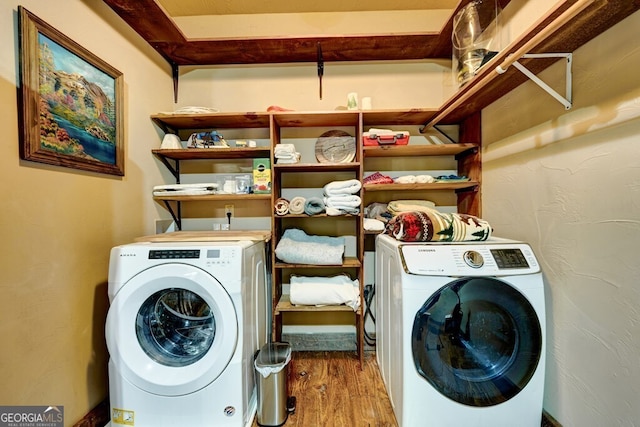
[460, 332]
[183, 327]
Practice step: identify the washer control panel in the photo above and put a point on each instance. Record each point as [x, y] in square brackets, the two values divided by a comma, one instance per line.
[469, 259]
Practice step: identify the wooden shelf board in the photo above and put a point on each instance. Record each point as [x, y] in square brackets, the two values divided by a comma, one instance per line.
[316, 167]
[213, 153]
[348, 262]
[410, 117]
[417, 150]
[436, 186]
[284, 305]
[213, 197]
[213, 120]
[316, 118]
[322, 215]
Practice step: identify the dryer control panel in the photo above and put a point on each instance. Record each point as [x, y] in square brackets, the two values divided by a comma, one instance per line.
[469, 259]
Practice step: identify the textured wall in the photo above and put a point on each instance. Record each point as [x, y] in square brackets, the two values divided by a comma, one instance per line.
[568, 182]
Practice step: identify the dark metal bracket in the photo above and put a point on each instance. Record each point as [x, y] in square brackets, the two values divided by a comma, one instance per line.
[175, 72]
[175, 214]
[173, 168]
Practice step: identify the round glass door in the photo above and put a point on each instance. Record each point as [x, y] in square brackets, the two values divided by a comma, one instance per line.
[172, 329]
[175, 327]
[477, 341]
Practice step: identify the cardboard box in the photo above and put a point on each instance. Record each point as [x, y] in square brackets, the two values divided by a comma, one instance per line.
[261, 176]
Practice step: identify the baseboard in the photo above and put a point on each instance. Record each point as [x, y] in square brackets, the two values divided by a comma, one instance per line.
[548, 420]
[97, 417]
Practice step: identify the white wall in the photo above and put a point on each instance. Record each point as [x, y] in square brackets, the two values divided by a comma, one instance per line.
[568, 182]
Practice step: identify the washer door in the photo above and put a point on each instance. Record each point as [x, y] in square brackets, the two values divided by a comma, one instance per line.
[477, 341]
[172, 329]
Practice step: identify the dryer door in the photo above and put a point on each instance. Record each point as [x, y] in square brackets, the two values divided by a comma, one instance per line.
[172, 329]
[477, 341]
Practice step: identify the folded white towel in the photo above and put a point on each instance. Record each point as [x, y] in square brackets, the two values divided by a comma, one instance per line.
[335, 188]
[344, 201]
[287, 160]
[284, 148]
[318, 290]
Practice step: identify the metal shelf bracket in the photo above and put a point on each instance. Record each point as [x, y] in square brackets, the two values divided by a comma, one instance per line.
[566, 100]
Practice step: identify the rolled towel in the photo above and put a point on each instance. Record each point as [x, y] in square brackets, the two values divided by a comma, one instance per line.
[336, 188]
[314, 206]
[281, 206]
[296, 205]
[424, 179]
[405, 179]
[434, 226]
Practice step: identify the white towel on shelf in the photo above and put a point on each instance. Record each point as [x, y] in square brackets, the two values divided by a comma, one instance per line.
[336, 188]
[372, 224]
[317, 290]
[344, 201]
[284, 149]
[405, 179]
[424, 179]
[297, 247]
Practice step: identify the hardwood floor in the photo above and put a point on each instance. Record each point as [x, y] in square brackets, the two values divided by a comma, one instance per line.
[332, 391]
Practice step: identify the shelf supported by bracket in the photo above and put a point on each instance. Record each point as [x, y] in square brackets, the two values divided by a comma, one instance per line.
[175, 214]
[566, 100]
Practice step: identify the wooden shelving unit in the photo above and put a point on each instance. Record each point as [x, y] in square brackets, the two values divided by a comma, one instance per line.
[277, 124]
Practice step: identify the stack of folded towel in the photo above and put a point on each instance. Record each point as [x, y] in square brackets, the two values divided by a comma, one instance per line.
[341, 197]
[286, 153]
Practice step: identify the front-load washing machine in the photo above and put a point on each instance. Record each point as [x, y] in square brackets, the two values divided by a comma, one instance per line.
[183, 327]
[460, 332]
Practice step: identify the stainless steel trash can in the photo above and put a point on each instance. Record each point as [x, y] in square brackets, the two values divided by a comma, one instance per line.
[274, 405]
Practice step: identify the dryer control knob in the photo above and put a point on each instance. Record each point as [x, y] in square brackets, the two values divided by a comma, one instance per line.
[473, 259]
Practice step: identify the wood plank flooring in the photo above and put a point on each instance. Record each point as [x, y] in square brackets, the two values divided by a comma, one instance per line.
[332, 391]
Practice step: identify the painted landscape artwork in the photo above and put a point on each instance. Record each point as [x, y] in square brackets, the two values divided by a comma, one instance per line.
[70, 102]
[77, 105]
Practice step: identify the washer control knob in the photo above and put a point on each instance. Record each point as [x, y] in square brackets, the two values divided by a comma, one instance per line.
[473, 259]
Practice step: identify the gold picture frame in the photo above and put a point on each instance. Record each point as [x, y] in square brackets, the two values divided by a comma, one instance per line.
[70, 102]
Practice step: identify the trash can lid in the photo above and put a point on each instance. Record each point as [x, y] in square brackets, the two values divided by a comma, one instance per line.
[272, 358]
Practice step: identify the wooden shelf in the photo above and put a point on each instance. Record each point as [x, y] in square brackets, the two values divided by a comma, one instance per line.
[348, 262]
[417, 150]
[317, 167]
[212, 120]
[315, 118]
[436, 186]
[213, 197]
[284, 305]
[322, 215]
[213, 153]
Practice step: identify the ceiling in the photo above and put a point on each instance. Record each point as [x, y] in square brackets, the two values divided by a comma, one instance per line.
[177, 29]
[176, 8]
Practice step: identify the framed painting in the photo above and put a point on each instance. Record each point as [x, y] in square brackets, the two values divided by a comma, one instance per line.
[70, 102]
